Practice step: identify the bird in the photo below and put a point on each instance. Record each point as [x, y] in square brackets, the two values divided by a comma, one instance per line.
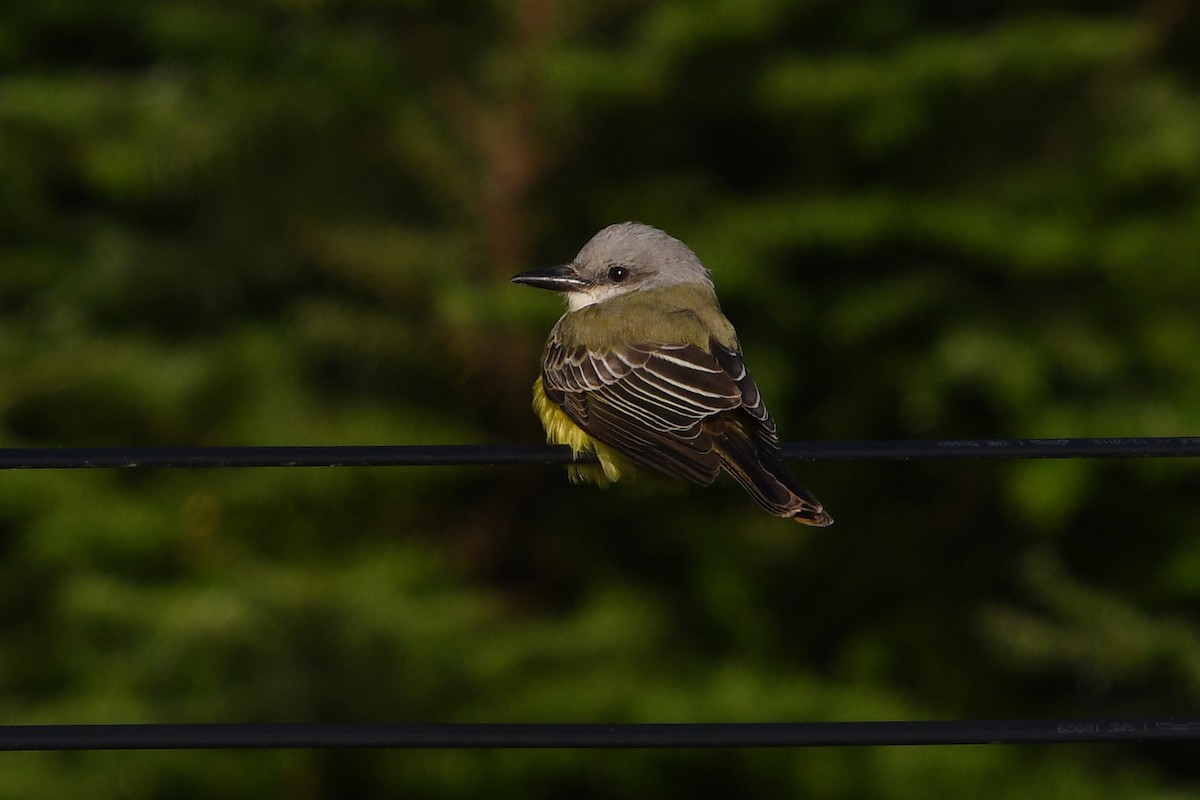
[643, 370]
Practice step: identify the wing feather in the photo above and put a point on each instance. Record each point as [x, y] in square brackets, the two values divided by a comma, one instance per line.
[650, 402]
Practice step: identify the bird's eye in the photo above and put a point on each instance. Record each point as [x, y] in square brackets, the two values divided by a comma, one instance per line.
[617, 274]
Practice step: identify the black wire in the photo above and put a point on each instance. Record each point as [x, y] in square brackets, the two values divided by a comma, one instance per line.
[286, 456]
[559, 736]
[505, 455]
[1112, 447]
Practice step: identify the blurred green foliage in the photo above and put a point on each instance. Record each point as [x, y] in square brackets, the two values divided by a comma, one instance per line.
[281, 222]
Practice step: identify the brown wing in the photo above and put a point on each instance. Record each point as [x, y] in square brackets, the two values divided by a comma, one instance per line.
[683, 411]
[654, 403]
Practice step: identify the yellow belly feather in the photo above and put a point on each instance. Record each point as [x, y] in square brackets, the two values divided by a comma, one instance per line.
[560, 429]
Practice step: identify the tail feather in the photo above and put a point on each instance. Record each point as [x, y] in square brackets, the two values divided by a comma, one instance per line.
[767, 479]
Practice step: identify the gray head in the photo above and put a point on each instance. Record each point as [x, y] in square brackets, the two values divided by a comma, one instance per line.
[626, 257]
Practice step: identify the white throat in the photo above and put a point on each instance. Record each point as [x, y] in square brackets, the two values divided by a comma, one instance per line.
[597, 294]
[578, 300]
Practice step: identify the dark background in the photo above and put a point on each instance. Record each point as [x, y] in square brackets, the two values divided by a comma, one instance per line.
[293, 222]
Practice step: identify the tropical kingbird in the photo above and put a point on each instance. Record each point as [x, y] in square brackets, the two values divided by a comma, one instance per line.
[644, 368]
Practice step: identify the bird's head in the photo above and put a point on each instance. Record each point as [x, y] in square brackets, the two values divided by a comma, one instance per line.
[622, 258]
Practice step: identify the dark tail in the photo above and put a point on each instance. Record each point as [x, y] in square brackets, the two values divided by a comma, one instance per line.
[768, 480]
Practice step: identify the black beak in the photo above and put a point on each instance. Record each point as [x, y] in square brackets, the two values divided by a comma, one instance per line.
[562, 278]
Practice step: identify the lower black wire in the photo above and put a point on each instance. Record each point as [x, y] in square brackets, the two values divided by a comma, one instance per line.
[562, 736]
